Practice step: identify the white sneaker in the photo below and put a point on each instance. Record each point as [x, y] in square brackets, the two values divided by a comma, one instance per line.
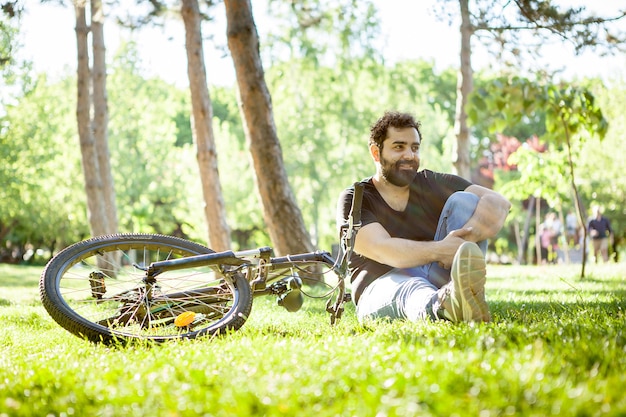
[463, 298]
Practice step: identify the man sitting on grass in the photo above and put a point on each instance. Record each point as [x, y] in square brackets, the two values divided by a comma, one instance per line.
[420, 253]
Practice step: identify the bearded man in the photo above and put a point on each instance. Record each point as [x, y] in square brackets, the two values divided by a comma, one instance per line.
[420, 252]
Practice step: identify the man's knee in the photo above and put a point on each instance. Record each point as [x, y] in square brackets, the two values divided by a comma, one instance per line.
[460, 207]
[462, 200]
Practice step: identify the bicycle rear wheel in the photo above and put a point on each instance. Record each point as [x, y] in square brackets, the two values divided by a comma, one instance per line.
[96, 289]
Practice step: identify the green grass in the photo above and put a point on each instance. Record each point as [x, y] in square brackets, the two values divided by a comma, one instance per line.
[557, 346]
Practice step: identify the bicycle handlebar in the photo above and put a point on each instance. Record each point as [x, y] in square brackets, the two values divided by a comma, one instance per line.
[241, 257]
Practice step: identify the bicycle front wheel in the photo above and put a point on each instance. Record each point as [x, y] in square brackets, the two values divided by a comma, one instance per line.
[97, 289]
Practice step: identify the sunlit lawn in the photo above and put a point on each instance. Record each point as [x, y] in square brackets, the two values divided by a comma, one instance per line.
[557, 346]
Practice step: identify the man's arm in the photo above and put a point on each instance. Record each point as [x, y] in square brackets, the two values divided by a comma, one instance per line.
[489, 216]
[374, 242]
[591, 229]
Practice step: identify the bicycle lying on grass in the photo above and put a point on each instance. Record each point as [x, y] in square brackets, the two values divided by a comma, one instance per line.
[127, 287]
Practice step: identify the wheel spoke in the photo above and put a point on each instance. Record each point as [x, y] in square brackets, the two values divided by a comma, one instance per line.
[103, 290]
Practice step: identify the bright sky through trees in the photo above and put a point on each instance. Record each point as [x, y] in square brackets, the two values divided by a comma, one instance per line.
[410, 30]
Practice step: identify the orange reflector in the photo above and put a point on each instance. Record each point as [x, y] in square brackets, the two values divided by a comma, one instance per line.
[184, 319]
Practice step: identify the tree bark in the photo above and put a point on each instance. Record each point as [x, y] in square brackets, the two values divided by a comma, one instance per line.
[464, 88]
[101, 115]
[524, 247]
[537, 229]
[93, 184]
[281, 213]
[202, 127]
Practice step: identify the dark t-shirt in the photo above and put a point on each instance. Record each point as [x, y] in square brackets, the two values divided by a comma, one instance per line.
[602, 226]
[429, 192]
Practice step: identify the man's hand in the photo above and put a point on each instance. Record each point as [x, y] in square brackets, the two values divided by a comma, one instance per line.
[446, 248]
[489, 215]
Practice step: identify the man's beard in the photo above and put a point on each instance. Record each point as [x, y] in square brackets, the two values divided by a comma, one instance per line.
[393, 174]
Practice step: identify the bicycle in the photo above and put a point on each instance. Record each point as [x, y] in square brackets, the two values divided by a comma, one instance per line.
[124, 287]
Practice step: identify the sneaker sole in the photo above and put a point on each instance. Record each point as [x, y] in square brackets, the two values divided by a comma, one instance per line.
[470, 271]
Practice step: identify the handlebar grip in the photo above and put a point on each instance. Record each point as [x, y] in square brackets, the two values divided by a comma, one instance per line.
[357, 199]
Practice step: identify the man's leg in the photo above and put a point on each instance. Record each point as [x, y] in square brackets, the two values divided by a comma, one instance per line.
[596, 249]
[463, 298]
[461, 295]
[413, 294]
[456, 213]
[604, 249]
[396, 295]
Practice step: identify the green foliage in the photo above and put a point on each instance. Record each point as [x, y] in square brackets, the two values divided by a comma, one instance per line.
[536, 175]
[15, 77]
[571, 111]
[324, 136]
[152, 157]
[556, 346]
[244, 210]
[38, 144]
[603, 182]
[566, 109]
[9, 24]
[301, 31]
[153, 163]
[508, 114]
[571, 117]
[326, 92]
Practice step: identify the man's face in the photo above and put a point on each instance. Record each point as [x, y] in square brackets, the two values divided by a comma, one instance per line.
[399, 158]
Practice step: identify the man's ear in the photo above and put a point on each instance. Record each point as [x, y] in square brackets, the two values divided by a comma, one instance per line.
[375, 152]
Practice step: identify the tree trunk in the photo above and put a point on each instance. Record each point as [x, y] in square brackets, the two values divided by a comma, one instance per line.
[101, 115]
[537, 228]
[579, 210]
[202, 126]
[464, 88]
[93, 185]
[282, 215]
[522, 257]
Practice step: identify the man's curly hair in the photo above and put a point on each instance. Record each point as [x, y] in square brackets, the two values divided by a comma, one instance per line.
[378, 131]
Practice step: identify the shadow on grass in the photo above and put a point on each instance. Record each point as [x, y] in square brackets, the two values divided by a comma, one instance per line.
[613, 280]
[581, 295]
[608, 280]
[586, 313]
[13, 282]
[19, 276]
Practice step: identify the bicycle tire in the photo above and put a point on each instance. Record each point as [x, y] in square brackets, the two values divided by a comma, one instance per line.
[93, 289]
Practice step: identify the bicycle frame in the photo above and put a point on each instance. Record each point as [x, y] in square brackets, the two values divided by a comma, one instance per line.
[258, 265]
[120, 287]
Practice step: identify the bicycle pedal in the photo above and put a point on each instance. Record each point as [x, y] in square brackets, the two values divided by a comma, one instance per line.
[291, 301]
[97, 284]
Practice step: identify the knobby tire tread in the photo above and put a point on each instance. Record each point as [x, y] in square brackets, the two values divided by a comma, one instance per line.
[83, 328]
